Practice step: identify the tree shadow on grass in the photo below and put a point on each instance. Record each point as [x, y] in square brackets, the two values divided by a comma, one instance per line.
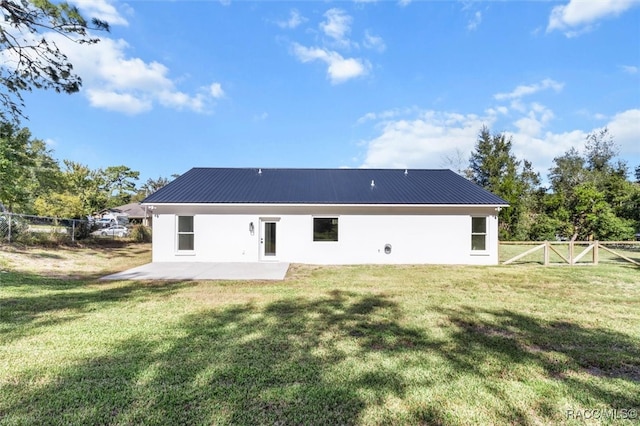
[22, 313]
[567, 353]
[288, 362]
[240, 365]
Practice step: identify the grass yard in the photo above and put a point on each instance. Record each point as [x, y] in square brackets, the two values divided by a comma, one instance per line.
[329, 345]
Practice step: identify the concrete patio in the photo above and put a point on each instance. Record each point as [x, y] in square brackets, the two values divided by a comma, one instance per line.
[204, 271]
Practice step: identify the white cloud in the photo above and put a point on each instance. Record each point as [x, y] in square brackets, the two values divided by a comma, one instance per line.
[499, 110]
[625, 128]
[579, 16]
[179, 100]
[424, 140]
[112, 80]
[534, 121]
[216, 90]
[386, 115]
[120, 102]
[541, 147]
[339, 69]
[295, 20]
[101, 9]
[373, 42]
[523, 90]
[475, 21]
[337, 26]
[629, 69]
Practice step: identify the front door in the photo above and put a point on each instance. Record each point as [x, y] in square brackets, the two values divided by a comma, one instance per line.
[268, 240]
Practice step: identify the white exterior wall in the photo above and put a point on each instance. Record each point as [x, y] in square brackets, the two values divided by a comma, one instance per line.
[417, 235]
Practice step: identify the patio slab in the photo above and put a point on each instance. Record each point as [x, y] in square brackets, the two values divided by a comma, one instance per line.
[204, 271]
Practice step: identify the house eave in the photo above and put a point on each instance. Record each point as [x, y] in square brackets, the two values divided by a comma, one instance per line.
[323, 205]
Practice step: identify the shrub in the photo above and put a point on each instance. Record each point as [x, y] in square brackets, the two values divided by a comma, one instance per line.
[141, 234]
[82, 229]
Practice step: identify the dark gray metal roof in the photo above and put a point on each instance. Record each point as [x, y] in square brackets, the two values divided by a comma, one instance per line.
[323, 186]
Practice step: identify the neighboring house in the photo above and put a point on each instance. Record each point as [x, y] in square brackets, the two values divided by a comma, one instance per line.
[324, 216]
[135, 213]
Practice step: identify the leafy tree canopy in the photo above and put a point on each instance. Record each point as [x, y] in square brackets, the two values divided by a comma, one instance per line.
[120, 184]
[29, 59]
[27, 168]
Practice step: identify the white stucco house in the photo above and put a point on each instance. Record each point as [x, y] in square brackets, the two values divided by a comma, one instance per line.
[324, 216]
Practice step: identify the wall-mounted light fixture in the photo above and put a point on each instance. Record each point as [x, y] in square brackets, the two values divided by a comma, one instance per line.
[251, 228]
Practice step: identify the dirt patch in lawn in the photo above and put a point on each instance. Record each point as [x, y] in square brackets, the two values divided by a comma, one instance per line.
[73, 262]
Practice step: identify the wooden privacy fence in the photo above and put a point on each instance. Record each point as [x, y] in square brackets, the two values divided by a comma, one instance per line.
[575, 251]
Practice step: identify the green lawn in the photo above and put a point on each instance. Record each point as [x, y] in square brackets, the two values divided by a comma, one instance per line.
[329, 345]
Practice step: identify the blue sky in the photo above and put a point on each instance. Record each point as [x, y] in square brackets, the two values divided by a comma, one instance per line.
[179, 84]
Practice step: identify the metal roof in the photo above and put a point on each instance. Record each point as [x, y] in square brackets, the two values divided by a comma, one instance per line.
[322, 186]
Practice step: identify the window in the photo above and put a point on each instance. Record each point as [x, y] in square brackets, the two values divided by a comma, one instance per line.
[325, 229]
[478, 233]
[185, 233]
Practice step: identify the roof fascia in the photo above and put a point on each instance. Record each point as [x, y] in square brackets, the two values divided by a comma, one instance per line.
[317, 205]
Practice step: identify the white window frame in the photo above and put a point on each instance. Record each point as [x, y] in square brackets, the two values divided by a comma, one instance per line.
[485, 234]
[179, 233]
[313, 226]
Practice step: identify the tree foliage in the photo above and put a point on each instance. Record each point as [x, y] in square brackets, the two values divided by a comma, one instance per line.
[592, 197]
[29, 58]
[60, 204]
[85, 191]
[27, 168]
[119, 184]
[494, 167]
[589, 196]
[149, 187]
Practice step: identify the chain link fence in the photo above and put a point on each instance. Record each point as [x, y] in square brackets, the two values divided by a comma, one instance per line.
[27, 229]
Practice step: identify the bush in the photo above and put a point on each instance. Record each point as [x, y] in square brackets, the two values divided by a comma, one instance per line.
[82, 229]
[141, 234]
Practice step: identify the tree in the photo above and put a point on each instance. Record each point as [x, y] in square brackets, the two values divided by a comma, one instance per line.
[591, 196]
[87, 184]
[30, 59]
[491, 159]
[152, 185]
[456, 161]
[568, 172]
[57, 204]
[14, 163]
[149, 187]
[27, 168]
[595, 219]
[600, 149]
[119, 184]
[494, 167]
